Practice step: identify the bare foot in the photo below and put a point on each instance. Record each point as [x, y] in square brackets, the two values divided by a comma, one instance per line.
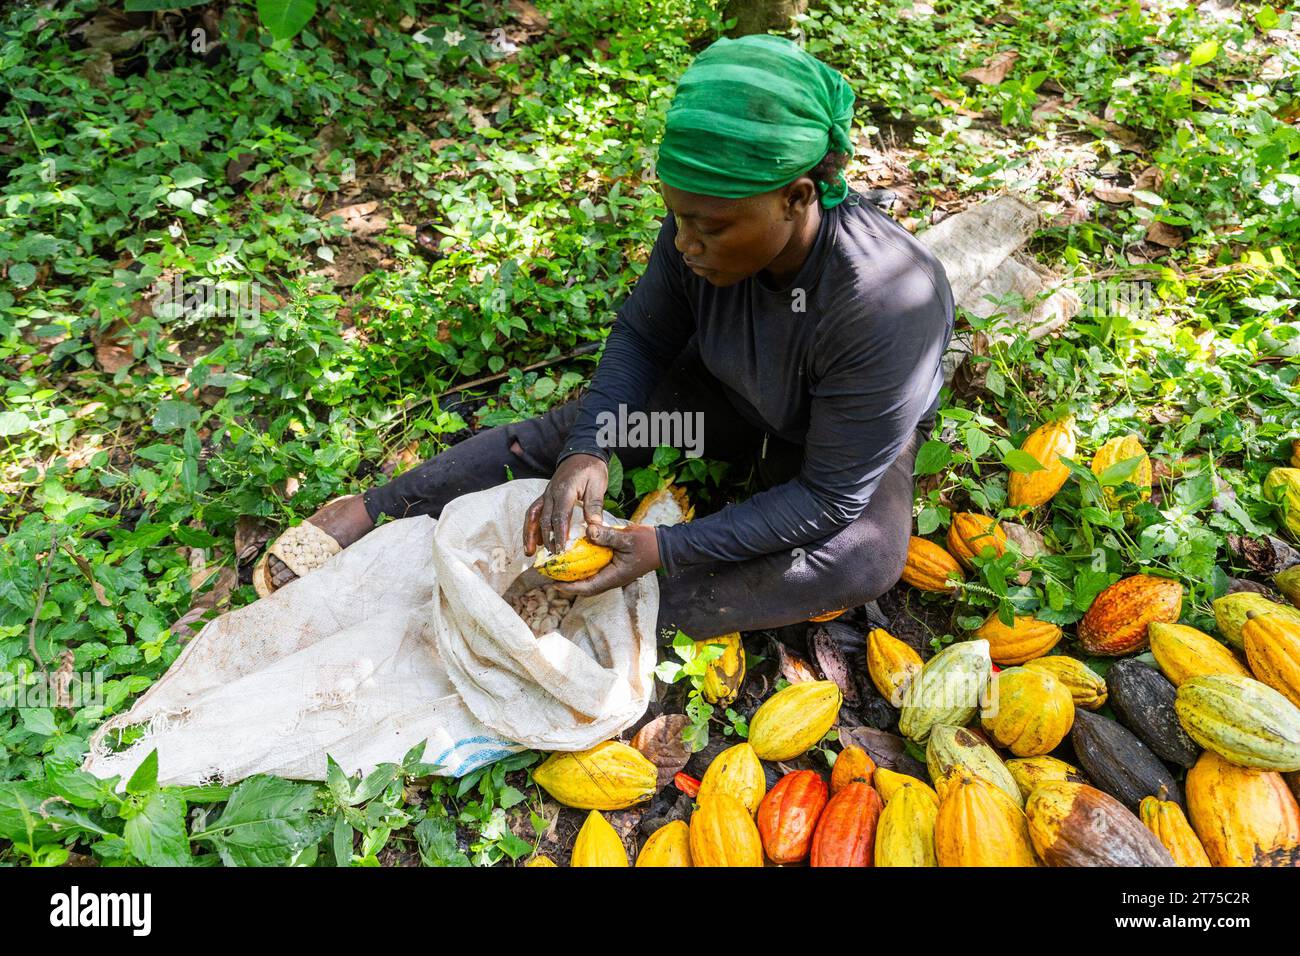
[345, 520]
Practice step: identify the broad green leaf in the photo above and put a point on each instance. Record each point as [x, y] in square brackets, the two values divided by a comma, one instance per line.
[172, 416]
[932, 457]
[22, 274]
[1021, 461]
[145, 777]
[1203, 53]
[265, 823]
[284, 19]
[156, 835]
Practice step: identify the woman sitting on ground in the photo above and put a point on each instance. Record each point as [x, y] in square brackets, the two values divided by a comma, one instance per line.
[805, 324]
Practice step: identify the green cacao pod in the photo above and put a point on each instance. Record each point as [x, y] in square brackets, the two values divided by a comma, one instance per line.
[1282, 487]
[1288, 582]
[953, 749]
[1230, 613]
[1242, 720]
[947, 691]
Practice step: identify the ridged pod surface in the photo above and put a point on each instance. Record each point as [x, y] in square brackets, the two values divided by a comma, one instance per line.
[793, 720]
[735, 771]
[579, 560]
[1122, 449]
[970, 533]
[1087, 687]
[1029, 711]
[1288, 582]
[891, 664]
[670, 845]
[1118, 762]
[1243, 817]
[947, 691]
[609, 776]
[1047, 444]
[1273, 650]
[1231, 610]
[1282, 487]
[1072, 824]
[846, 832]
[722, 833]
[1116, 624]
[889, 782]
[724, 675]
[852, 765]
[979, 825]
[598, 844]
[905, 831]
[1025, 640]
[931, 568]
[788, 815]
[1183, 652]
[957, 751]
[1165, 819]
[1242, 720]
[1143, 700]
[1029, 772]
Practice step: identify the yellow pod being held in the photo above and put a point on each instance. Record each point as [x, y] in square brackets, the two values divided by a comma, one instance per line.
[793, 720]
[724, 675]
[1273, 650]
[1165, 819]
[735, 771]
[670, 845]
[1183, 652]
[1025, 640]
[723, 833]
[905, 830]
[1087, 688]
[1031, 772]
[979, 825]
[609, 776]
[1029, 712]
[598, 844]
[579, 560]
[891, 664]
[1243, 817]
[1047, 445]
[889, 782]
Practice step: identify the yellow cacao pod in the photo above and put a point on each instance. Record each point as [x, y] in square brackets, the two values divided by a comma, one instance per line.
[722, 833]
[1288, 582]
[891, 664]
[581, 559]
[1273, 650]
[1282, 487]
[1029, 772]
[1183, 652]
[1230, 613]
[979, 825]
[1026, 639]
[670, 845]
[1029, 711]
[1165, 819]
[953, 751]
[793, 720]
[905, 830]
[540, 861]
[1244, 817]
[1124, 449]
[971, 534]
[609, 776]
[1047, 445]
[947, 691]
[1295, 453]
[889, 782]
[1087, 688]
[737, 772]
[664, 507]
[598, 844]
[724, 675]
[931, 568]
[1242, 720]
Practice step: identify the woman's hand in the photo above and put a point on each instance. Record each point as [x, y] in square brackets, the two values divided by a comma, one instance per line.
[579, 478]
[636, 552]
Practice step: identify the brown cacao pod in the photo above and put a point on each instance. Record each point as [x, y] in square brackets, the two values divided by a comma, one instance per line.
[670, 845]
[1027, 639]
[1184, 652]
[970, 534]
[979, 825]
[1118, 763]
[598, 844]
[1165, 819]
[1029, 711]
[889, 782]
[891, 664]
[738, 772]
[722, 833]
[1230, 613]
[846, 832]
[1244, 817]
[1073, 824]
[1029, 772]
[931, 568]
[1273, 650]
[1047, 444]
[1116, 624]
[1143, 700]
[1087, 687]
[852, 765]
[905, 832]
[788, 815]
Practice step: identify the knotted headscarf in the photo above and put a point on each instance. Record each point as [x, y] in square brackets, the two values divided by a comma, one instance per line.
[753, 114]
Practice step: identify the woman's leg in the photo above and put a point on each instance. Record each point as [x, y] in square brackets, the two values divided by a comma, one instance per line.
[852, 567]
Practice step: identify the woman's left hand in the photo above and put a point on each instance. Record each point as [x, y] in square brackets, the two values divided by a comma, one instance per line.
[636, 552]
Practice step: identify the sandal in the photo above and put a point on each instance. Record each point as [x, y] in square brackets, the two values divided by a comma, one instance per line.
[303, 548]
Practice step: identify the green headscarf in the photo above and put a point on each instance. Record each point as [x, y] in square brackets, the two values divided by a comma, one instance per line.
[753, 114]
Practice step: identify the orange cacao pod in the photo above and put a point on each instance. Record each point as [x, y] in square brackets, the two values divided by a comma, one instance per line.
[787, 817]
[931, 568]
[722, 833]
[1117, 622]
[852, 765]
[846, 832]
[1025, 640]
[969, 534]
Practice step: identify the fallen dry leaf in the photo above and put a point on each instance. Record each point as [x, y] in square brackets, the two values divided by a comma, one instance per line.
[994, 70]
[793, 667]
[527, 15]
[832, 663]
[1163, 234]
[660, 741]
[1112, 194]
[360, 219]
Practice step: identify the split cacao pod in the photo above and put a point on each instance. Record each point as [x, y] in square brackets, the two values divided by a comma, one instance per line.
[1165, 819]
[1273, 650]
[955, 750]
[846, 832]
[1073, 824]
[947, 690]
[609, 776]
[979, 825]
[1118, 763]
[1282, 487]
[1288, 582]
[931, 568]
[725, 674]
[889, 782]
[1123, 450]
[1047, 445]
[664, 507]
[1087, 687]
[581, 559]
[891, 664]
[723, 833]
[1244, 817]
[735, 771]
[598, 844]
[1028, 711]
[670, 845]
[1183, 652]
[1242, 720]
[1230, 613]
[794, 719]
[1029, 772]
[1143, 700]
[788, 815]
[1025, 640]
[1116, 624]
[905, 831]
[851, 765]
[971, 534]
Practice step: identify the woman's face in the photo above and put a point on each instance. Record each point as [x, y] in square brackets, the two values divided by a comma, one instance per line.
[726, 240]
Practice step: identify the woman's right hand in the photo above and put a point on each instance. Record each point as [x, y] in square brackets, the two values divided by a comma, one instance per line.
[579, 478]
